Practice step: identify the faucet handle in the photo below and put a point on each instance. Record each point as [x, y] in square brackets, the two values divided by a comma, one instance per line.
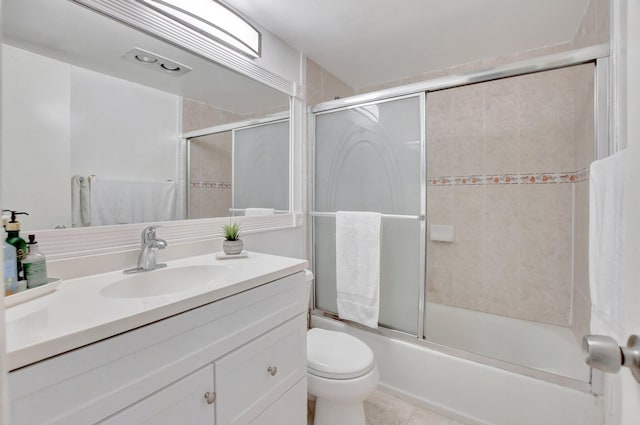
[149, 233]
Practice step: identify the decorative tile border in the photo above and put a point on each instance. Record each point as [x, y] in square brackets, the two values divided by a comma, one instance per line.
[542, 178]
[210, 185]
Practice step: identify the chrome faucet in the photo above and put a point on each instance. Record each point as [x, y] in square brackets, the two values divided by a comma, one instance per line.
[149, 251]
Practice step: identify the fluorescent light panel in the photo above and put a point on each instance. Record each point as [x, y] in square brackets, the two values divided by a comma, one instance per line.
[213, 20]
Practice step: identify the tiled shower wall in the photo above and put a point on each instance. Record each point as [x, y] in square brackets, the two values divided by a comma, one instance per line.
[503, 161]
[210, 160]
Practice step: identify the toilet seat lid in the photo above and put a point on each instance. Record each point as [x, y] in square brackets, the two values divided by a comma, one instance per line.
[337, 355]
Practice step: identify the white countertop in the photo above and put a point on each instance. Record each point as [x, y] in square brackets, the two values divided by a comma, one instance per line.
[77, 314]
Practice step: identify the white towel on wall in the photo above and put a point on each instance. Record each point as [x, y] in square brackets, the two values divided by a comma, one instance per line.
[358, 266]
[607, 245]
[124, 202]
[80, 201]
[259, 211]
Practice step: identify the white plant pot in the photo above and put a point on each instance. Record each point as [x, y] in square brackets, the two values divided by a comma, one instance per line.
[232, 247]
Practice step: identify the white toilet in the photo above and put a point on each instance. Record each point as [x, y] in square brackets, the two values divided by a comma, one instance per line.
[341, 375]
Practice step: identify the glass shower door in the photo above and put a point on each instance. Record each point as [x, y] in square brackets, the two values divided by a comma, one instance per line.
[368, 158]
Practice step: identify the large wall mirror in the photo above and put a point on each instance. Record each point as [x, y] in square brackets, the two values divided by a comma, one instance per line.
[93, 118]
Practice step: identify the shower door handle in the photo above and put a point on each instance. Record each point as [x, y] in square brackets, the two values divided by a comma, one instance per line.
[604, 353]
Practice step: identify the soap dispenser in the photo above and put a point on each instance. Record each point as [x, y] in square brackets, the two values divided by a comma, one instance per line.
[13, 238]
[34, 265]
[10, 266]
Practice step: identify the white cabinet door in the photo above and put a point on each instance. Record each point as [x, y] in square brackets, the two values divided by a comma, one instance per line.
[182, 402]
[253, 377]
[290, 409]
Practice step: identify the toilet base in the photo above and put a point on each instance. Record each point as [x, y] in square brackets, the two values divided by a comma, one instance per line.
[331, 412]
[341, 402]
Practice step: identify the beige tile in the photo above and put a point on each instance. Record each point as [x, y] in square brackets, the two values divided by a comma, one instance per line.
[385, 409]
[501, 255]
[440, 156]
[439, 284]
[468, 110]
[538, 149]
[602, 20]
[564, 248]
[581, 316]
[502, 153]
[314, 82]
[545, 301]
[439, 254]
[502, 295]
[501, 209]
[538, 255]
[212, 116]
[546, 50]
[467, 286]
[587, 31]
[441, 120]
[467, 155]
[483, 64]
[191, 115]
[545, 207]
[333, 87]
[440, 204]
[467, 290]
[430, 75]
[501, 101]
[468, 219]
[537, 101]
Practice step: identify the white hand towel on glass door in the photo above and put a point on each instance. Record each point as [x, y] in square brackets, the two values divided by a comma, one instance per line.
[358, 266]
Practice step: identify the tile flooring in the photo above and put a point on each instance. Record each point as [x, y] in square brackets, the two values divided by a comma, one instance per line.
[385, 409]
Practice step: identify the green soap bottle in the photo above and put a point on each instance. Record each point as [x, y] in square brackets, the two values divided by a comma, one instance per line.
[13, 238]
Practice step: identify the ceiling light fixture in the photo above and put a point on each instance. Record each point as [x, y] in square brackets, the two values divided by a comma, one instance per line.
[213, 20]
[146, 59]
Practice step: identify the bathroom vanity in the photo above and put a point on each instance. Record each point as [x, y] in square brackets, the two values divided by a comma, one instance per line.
[226, 344]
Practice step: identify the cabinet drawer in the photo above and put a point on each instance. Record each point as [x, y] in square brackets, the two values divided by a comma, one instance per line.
[251, 378]
[182, 402]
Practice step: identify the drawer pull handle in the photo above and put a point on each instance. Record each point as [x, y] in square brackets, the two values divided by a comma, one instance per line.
[272, 370]
[210, 397]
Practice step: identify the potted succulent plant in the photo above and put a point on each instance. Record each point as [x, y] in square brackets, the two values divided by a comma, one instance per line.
[232, 244]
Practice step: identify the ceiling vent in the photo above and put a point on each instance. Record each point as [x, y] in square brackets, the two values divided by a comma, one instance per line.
[156, 62]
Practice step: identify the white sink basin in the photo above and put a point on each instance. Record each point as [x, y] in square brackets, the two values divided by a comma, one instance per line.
[165, 281]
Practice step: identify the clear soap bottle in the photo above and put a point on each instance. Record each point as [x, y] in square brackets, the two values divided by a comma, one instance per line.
[34, 265]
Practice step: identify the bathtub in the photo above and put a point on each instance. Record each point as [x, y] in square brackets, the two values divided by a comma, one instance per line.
[539, 346]
[472, 391]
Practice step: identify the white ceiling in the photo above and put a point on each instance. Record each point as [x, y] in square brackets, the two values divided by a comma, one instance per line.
[367, 42]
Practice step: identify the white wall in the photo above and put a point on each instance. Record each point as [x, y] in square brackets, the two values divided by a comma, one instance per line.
[120, 129]
[278, 57]
[64, 120]
[631, 388]
[36, 102]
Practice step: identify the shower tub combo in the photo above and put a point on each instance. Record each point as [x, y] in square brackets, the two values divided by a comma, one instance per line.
[483, 325]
